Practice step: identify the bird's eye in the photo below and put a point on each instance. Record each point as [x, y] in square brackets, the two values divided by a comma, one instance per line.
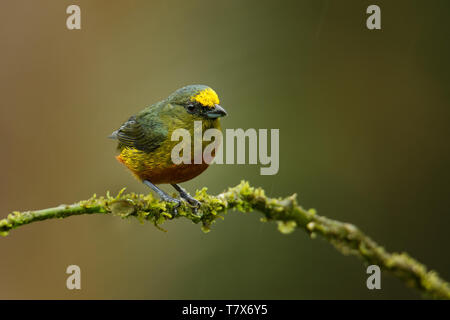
[190, 107]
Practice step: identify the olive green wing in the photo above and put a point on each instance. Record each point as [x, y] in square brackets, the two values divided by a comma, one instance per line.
[144, 134]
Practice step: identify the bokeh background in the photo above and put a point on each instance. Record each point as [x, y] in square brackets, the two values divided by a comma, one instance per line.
[364, 128]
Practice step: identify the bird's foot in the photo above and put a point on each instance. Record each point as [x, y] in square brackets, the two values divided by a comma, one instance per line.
[191, 200]
[175, 201]
[194, 203]
[164, 197]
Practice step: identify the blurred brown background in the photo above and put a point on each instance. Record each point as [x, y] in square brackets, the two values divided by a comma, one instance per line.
[364, 126]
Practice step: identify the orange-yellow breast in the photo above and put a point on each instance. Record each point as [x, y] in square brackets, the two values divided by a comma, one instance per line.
[157, 166]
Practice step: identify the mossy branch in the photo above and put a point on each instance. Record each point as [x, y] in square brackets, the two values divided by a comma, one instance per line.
[347, 238]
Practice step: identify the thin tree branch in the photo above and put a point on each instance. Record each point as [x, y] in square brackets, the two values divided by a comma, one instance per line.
[347, 238]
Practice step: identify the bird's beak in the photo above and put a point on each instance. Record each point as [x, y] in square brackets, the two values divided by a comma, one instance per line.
[216, 112]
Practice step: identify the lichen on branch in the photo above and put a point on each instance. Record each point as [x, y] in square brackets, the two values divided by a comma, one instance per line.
[286, 212]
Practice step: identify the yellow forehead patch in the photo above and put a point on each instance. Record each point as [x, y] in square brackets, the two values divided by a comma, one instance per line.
[207, 97]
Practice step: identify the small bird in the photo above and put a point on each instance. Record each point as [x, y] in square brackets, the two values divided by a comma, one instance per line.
[145, 144]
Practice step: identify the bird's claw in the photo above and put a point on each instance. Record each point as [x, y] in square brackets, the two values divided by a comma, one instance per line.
[194, 203]
[177, 203]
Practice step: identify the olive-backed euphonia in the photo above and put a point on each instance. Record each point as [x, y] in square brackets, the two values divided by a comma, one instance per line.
[145, 143]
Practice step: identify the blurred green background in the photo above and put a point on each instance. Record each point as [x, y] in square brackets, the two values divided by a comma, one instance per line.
[364, 127]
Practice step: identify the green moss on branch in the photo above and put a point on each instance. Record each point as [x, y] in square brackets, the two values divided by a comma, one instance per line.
[346, 238]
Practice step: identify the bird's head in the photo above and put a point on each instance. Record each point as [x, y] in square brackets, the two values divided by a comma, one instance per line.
[198, 100]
